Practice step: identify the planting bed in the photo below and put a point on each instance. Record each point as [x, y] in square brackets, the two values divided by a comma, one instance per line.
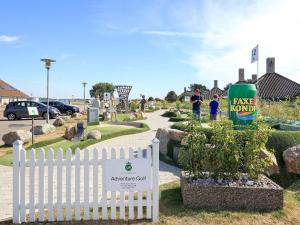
[229, 195]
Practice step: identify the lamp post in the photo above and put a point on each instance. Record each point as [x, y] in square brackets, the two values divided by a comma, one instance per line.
[84, 84]
[48, 63]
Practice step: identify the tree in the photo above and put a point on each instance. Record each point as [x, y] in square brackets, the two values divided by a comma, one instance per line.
[150, 99]
[158, 99]
[100, 88]
[171, 96]
[227, 86]
[202, 88]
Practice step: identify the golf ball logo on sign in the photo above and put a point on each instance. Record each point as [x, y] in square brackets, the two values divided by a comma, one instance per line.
[127, 175]
[128, 166]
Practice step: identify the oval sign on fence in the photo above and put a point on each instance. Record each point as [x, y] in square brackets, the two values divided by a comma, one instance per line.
[127, 174]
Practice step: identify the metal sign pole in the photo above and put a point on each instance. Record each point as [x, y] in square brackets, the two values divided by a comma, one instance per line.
[32, 129]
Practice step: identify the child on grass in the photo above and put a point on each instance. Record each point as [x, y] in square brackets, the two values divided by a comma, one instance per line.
[214, 107]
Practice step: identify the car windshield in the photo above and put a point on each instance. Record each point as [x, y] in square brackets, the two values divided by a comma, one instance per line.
[42, 104]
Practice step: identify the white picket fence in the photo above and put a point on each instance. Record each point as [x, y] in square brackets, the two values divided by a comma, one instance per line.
[62, 207]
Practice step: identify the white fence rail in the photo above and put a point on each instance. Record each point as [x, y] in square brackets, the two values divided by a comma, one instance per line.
[39, 188]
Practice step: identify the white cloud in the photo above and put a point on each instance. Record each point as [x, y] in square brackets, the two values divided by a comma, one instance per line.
[8, 38]
[231, 32]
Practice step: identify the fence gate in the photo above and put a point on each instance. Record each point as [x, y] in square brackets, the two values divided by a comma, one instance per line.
[83, 186]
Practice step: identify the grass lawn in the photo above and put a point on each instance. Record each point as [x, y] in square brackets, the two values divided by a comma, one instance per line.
[55, 143]
[173, 212]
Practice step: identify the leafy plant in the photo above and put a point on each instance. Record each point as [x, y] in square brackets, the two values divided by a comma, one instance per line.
[227, 152]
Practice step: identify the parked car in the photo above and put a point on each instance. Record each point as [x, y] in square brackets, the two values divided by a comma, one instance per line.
[63, 108]
[18, 110]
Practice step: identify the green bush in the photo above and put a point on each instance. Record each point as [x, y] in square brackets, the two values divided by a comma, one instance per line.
[169, 114]
[281, 140]
[133, 106]
[179, 126]
[178, 119]
[228, 152]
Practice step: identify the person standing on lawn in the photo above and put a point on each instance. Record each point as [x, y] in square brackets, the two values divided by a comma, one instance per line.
[143, 103]
[214, 107]
[196, 101]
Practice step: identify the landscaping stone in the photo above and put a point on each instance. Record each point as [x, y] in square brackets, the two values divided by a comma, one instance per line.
[58, 122]
[176, 135]
[268, 196]
[76, 115]
[273, 168]
[43, 129]
[291, 158]
[11, 137]
[70, 133]
[65, 118]
[162, 134]
[176, 151]
[94, 134]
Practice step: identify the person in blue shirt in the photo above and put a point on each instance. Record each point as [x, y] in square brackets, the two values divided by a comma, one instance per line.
[214, 107]
[196, 101]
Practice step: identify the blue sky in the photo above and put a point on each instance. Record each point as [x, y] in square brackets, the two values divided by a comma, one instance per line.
[153, 45]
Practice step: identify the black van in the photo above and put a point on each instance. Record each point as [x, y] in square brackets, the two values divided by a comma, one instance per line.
[63, 108]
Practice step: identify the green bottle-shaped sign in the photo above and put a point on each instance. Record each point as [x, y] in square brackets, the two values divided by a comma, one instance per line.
[242, 103]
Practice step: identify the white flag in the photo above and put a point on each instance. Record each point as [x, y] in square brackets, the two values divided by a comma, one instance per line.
[254, 54]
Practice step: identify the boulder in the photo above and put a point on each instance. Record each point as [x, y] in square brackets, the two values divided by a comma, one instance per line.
[11, 137]
[273, 168]
[43, 129]
[291, 157]
[76, 115]
[70, 133]
[176, 135]
[58, 122]
[162, 135]
[65, 118]
[94, 134]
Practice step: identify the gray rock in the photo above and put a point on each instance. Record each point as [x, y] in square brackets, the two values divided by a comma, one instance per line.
[176, 135]
[94, 134]
[162, 135]
[76, 115]
[273, 167]
[291, 157]
[43, 129]
[70, 133]
[58, 122]
[65, 118]
[176, 151]
[11, 137]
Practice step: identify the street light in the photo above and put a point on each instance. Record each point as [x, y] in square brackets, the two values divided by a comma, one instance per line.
[48, 63]
[84, 84]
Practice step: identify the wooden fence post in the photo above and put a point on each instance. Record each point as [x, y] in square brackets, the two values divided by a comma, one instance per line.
[17, 146]
[155, 166]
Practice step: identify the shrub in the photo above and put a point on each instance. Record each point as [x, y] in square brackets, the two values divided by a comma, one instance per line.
[178, 119]
[228, 152]
[179, 126]
[133, 106]
[169, 114]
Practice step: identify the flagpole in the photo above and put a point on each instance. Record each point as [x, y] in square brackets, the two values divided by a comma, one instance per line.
[257, 61]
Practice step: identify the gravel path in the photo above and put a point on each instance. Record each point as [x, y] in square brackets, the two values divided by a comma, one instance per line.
[167, 173]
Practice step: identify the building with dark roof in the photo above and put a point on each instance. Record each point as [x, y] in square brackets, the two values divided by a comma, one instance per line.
[275, 86]
[215, 90]
[8, 93]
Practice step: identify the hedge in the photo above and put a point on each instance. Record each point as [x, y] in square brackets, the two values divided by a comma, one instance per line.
[279, 141]
[169, 114]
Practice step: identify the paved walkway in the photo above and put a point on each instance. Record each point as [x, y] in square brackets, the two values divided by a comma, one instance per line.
[167, 173]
